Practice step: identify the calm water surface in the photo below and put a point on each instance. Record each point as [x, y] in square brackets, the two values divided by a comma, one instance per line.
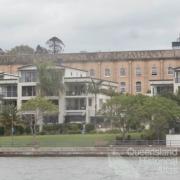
[88, 168]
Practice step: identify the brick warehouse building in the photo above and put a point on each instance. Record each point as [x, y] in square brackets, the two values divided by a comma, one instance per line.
[132, 70]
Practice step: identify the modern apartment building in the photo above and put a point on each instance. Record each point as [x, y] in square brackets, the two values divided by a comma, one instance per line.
[132, 70]
[75, 104]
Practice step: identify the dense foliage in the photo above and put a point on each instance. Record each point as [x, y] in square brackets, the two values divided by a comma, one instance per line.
[138, 113]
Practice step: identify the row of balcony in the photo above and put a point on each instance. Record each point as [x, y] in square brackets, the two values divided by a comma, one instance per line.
[177, 80]
[75, 93]
[8, 93]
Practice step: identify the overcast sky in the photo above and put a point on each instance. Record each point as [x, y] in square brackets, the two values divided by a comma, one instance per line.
[90, 25]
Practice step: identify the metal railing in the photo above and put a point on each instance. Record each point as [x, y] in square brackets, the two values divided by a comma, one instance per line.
[75, 108]
[177, 80]
[139, 142]
[75, 93]
[9, 93]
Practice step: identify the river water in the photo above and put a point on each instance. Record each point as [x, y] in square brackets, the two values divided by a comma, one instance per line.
[89, 168]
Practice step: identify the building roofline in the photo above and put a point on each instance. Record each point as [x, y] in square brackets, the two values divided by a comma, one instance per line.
[85, 57]
[92, 78]
[14, 75]
[58, 65]
[71, 68]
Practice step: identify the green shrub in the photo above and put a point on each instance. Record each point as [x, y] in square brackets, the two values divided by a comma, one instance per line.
[113, 131]
[69, 128]
[1, 131]
[27, 130]
[90, 128]
[53, 128]
[19, 130]
[151, 135]
[72, 128]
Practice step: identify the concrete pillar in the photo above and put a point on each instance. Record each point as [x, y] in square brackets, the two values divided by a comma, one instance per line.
[19, 95]
[87, 111]
[62, 107]
[130, 77]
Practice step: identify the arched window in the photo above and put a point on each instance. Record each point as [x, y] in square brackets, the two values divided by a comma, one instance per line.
[122, 87]
[107, 72]
[154, 70]
[138, 86]
[122, 71]
[170, 70]
[138, 71]
[92, 72]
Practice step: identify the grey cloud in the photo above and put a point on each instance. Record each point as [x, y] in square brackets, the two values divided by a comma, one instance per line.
[90, 25]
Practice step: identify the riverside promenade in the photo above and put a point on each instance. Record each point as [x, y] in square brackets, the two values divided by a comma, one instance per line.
[89, 151]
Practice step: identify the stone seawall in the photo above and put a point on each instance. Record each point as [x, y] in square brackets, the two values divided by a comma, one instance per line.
[90, 151]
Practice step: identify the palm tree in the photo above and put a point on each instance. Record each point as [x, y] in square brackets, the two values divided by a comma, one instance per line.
[49, 83]
[110, 91]
[95, 88]
[50, 80]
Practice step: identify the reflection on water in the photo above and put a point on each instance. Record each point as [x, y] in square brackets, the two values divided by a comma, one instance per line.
[89, 168]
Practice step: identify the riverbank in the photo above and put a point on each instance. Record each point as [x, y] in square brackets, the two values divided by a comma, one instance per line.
[90, 151]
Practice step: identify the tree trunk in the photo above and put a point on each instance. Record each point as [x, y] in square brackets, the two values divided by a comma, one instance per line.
[95, 104]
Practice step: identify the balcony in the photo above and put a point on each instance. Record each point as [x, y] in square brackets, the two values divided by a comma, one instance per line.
[75, 93]
[9, 93]
[76, 104]
[8, 90]
[177, 80]
[75, 108]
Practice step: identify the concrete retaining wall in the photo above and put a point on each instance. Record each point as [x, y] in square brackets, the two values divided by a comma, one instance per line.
[92, 151]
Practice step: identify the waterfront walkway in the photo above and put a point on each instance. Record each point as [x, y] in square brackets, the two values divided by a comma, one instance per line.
[91, 151]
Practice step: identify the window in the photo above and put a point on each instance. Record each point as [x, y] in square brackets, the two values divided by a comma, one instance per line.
[107, 72]
[138, 71]
[122, 87]
[8, 90]
[170, 70]
[154, 70]
[28, 91]
[138, 86]
[1, 76]
[90, 101]
[122, 71]
[28, 76]
[92, 72]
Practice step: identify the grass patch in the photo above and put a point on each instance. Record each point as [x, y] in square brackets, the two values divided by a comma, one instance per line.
[74, 140]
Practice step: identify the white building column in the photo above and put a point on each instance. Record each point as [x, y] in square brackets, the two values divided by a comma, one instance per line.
[61, 109]
[87, 120]
[19, 95]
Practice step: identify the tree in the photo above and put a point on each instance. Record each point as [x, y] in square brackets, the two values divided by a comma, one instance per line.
[110, 92]
[41, 50]
[20, 50]
[50, 83]
[95, 88]
[9, 118]
[122, 111]
[41, 106]
[55, 44]
[161, 113]
[50, 79]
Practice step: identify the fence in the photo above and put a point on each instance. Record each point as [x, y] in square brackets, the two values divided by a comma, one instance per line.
[139, 142]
